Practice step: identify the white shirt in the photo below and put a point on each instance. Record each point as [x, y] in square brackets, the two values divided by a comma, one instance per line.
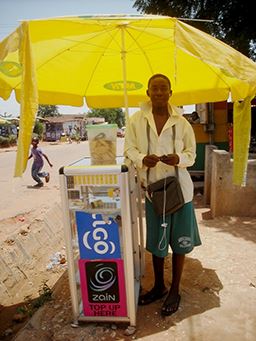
[137, 147]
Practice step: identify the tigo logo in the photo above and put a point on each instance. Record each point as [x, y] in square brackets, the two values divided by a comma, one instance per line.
[119, 86]
[10, 69]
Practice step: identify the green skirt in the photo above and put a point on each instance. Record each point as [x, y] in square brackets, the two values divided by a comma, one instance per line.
[180, 231]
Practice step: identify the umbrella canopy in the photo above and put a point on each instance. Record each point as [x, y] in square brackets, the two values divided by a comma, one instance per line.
[108, 61]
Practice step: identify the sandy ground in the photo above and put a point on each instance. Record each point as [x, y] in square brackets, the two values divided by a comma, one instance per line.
[218, 295]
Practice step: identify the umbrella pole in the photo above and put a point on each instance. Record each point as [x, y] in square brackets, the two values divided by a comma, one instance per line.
[123, 57]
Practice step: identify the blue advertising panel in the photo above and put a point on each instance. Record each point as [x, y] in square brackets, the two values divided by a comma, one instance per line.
[98, 239]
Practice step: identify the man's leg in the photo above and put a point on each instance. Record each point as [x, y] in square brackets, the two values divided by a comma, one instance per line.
[158, 266]
[34, 172]
[172, 301]
[159, 290]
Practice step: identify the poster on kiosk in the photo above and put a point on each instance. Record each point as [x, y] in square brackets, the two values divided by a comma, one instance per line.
[100, 265]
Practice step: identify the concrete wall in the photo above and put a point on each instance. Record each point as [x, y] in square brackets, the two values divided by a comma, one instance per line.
[227, 199]
[24, 260]
[208, 172]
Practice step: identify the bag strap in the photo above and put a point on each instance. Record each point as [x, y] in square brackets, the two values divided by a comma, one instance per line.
[174, 151]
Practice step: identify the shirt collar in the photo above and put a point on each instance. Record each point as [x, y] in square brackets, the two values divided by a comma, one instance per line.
[173, 110]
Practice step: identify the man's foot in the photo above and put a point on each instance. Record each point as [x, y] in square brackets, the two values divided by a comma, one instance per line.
[39, 185]
[171, 305]
[47, 178]
[152, 296]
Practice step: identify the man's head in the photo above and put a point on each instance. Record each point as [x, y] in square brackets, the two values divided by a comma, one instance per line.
[159, 89]
[35, 141]
[195, 116]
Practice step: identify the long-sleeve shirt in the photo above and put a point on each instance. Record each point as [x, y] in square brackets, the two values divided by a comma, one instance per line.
[137, 146]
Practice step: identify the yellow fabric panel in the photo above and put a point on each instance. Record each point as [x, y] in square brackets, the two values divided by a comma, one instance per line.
[216, 54]
[242, 126]
[29, 100]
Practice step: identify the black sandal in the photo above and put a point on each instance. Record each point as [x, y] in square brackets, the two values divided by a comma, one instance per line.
[170, 306]
[152, 296]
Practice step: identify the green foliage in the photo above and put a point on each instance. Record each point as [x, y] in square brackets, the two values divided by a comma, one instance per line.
[233, 20]
[8, 141]
[38, 129]
[30, 305]
[47, 111]
[115, 115]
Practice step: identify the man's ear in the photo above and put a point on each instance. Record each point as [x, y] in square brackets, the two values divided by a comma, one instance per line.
[170, 93]
[147, 93]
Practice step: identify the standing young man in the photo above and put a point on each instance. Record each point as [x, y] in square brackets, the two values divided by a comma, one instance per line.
[149, 145]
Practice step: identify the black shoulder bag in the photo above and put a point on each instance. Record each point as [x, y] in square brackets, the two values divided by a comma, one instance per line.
[166, 194]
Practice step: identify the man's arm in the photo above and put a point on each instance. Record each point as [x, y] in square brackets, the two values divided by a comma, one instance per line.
[45, 156]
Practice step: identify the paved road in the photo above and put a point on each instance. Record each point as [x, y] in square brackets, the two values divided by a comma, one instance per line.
[16, 196]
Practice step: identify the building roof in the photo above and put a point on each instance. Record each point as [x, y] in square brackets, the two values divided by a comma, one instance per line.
[65, 118]
[72, 118]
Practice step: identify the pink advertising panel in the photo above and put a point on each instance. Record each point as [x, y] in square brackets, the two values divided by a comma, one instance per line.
[103, 287]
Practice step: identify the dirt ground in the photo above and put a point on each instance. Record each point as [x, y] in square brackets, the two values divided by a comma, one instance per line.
[218, 295]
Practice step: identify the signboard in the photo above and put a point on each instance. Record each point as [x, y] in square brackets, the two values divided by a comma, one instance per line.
[103, 287]
[98, 239]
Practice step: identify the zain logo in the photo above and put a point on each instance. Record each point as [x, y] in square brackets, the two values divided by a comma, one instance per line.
[119, 86]
[103, 280]
[10, 69]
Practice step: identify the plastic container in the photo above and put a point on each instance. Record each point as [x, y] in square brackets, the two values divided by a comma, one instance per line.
[102, 143]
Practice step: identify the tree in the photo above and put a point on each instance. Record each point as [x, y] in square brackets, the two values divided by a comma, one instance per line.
[233, 21]
[115, 115]
[47, 111]
[38, 129]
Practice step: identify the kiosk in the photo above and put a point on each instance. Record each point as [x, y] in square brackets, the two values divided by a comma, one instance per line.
[104, 240]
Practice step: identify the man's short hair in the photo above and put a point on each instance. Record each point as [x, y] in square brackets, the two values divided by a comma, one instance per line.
[161, 76]
[35, 138]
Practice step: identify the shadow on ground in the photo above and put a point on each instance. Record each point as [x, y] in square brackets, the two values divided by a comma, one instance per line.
[199, 293]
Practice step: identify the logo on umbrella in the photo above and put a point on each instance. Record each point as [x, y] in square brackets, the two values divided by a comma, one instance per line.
[10, 69]
[119, 86]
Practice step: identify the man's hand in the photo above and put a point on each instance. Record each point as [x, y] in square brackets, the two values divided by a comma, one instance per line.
[170, 159]
[150, 160]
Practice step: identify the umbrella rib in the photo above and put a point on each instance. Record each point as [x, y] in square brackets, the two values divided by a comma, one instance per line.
[95, 67]
[65, 50]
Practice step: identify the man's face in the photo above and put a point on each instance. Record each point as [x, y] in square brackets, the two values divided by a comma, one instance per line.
[159, 91]
[34, 143]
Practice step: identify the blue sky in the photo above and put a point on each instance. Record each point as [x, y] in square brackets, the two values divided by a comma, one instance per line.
[13, 11]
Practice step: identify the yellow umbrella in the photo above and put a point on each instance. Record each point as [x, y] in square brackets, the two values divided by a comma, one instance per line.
[108, 60]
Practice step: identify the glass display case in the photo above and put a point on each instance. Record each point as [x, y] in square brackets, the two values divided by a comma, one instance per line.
[104, 240]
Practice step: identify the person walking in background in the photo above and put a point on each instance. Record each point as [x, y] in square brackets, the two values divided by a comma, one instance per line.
[149, 145]
[195, 119]
[38, 163]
